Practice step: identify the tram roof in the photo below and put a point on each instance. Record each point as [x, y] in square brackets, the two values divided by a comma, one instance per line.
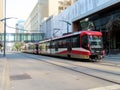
[75, 33]
[80, 32]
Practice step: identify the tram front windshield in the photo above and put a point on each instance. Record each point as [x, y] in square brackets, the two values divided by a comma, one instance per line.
[95, 41]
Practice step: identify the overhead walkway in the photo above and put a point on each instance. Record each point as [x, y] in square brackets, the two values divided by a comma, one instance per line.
[22, 37]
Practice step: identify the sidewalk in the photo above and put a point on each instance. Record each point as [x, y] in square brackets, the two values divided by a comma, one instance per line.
[112, 56]
[1, 71]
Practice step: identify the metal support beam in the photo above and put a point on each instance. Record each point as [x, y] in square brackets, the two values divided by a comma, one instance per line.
[68, 23]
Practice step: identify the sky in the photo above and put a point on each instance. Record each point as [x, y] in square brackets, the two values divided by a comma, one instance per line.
[19, 9]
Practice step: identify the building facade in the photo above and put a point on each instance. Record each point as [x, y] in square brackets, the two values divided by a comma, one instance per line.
[43, 10]
[20, 26]
[32, 22]
[106, 21]
[1, 16]
[98, 15]
[64, 4]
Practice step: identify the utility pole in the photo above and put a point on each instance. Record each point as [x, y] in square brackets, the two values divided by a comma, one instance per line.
[4, 28]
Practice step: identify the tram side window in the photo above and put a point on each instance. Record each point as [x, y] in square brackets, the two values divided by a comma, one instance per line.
[40, 46]
[36, 47]
[56, 45]
[76, 41]
[62, 43]
[52, 44]
[47, 46]
[85, 42]
[31, 47]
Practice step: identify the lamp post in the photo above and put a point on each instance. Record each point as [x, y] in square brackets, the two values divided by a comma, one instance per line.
[68, 23]
[4, 19]
[4, 28]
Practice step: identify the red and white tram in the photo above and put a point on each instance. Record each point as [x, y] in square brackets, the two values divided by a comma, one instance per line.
[82, 45]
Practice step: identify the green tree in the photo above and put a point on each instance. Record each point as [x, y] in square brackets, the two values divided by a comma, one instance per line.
[18, 46]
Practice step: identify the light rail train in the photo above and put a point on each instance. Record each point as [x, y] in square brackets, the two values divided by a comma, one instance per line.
[81, 45]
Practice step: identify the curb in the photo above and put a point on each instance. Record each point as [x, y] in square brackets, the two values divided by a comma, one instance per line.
[112, 57]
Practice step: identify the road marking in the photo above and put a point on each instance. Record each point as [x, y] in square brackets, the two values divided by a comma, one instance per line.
[113, 87]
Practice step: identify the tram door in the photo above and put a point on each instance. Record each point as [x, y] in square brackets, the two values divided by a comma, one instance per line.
[69, 46]
[36, 47]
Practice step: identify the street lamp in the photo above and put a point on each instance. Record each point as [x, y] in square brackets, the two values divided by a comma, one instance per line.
[68, 23]
[4, 28]
[4, 19]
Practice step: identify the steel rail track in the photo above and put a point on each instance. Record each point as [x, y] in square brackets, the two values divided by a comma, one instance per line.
[70, 68]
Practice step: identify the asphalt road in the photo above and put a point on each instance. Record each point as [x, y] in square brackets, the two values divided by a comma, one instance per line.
[30, 72]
